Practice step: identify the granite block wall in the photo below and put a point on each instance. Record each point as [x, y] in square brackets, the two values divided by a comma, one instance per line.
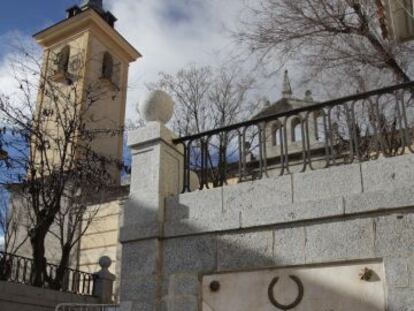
[344, 214]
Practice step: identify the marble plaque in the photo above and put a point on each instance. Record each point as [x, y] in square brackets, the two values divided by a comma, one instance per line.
[350, 287]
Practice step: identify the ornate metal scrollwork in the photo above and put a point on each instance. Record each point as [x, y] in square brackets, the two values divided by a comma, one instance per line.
[280, 306]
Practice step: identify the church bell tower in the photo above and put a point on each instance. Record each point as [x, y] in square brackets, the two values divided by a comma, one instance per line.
[84, 50]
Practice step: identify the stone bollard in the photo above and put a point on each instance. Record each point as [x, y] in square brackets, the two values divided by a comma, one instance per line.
[104, 281]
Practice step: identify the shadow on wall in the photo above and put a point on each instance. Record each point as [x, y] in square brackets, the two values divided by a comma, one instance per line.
[190, 259]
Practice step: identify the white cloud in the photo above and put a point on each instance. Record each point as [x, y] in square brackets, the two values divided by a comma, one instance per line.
[7, 83]
[19, 60]
[19, 53]
[172, 34]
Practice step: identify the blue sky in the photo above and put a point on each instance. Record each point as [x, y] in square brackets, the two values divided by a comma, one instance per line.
[30, 16]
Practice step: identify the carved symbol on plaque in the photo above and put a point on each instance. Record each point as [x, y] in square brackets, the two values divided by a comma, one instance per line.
[282, 306]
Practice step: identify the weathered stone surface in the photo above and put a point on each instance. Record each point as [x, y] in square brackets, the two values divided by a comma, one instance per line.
[140, 209]
[190, 254]
[396, 272]
[139, 231]
[139, 288]
[174, 211]
[289, 246]
[145, 165]
[203, 204]
[410, 261]
[401, 299]
[139, 258]
[184, 284]
[164, 304]
[379, 200]
[137, 306]
[394, 235]
[326, 288]
[318, 196]
[344, 240]
[225, 221]
[388, 173]
[274, 214]
[170, 173]
[19, 297]
[150, 133]
[165, 284]
[327, 183]
[258, 193]
[246, 250]
[182, 303]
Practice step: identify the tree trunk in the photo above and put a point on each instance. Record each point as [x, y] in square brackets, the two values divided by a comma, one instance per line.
[61, 279]
[39, 273]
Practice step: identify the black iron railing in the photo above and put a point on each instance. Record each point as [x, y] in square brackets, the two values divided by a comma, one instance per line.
[18, 269]
[361, 127]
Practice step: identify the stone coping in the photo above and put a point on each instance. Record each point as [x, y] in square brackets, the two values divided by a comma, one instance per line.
[381, 186]
[374, 203]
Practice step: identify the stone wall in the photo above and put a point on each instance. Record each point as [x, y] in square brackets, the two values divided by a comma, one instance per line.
[16, 297]
[102, 237]
[361, 212]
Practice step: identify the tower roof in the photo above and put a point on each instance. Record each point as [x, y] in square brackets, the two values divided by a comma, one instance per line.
[97, 6]
[90, 19]
[287, 102]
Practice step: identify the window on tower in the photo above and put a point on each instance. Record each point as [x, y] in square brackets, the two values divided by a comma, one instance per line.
[63, 59]
[107, 66]
[61, 66]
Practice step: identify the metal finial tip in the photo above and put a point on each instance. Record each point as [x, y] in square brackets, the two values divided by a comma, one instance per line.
[97, 4]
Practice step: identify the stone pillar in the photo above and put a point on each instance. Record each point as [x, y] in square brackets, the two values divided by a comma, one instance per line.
[104, 281]
[157, 167]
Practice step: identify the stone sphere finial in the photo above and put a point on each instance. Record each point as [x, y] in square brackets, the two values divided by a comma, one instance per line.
[105, 262]
[158, 106]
